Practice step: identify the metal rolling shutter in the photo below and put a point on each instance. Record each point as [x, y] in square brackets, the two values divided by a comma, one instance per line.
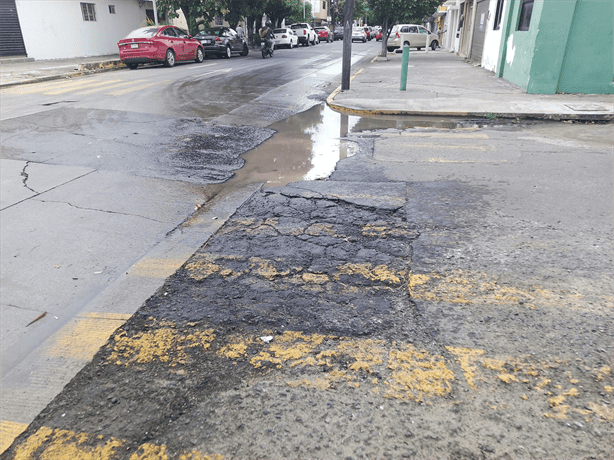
[479, 30]
[11, 40]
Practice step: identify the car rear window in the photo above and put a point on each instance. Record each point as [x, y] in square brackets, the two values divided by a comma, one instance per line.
[143, 33]
[216, 32]
[298, 26]
[279, 31]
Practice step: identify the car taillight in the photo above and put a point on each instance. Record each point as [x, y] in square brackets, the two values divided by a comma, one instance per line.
[398, 35]
[284, 36]
[218, 39]
[304, 32]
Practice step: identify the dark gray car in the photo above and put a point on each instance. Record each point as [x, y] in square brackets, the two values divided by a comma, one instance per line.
[222, 41]
[338, 35]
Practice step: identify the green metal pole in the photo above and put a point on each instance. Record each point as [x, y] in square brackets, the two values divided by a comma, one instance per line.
[404, 66]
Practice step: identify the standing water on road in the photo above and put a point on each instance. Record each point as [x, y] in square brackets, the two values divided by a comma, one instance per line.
[308, 145]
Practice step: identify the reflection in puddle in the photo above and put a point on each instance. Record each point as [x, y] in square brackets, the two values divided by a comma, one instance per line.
[307, 146]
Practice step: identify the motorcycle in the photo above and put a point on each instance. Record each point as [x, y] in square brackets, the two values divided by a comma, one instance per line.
[267, 49]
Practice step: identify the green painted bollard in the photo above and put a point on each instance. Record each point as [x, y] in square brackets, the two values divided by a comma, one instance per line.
[404, 66]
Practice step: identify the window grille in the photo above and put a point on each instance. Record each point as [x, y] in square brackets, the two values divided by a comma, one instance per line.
[89, 11]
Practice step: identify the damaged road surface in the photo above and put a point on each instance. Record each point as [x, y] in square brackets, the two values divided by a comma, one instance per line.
[421, 303]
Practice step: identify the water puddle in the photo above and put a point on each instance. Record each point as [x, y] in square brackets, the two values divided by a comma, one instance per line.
[308, 145]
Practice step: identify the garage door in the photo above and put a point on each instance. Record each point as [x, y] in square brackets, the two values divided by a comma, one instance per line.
[479, 30]
[11, 40]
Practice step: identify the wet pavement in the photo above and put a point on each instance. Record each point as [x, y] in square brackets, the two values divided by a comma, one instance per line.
[397, 288]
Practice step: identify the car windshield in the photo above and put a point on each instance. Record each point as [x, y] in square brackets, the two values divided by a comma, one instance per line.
[298, 26]
[143, 33]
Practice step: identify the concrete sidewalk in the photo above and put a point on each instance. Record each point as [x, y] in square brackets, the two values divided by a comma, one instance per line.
[19, 71]
[442, 84]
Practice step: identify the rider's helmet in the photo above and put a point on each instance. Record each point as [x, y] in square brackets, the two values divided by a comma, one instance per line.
[268, 24]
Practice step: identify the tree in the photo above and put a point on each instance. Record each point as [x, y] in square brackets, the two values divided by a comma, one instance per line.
[192, 10]
[389, 12]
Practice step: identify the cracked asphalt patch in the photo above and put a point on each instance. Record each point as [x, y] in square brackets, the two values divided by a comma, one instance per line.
[301, 330]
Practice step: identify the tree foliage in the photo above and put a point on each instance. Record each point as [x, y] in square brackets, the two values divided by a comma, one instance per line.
[389, 12]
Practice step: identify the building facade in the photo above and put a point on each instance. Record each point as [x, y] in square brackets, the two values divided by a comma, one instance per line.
[57, 29]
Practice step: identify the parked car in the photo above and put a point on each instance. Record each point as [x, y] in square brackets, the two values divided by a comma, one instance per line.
[413, 35]
[379, 36]
[338, 35]
[358, 33]
[161, 44]
[369, 32]
[222, 41]
[305, 33]
[324, 34]
[285, 38]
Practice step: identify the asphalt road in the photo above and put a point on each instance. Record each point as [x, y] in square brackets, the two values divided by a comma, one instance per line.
[445, 293]
[109, 183]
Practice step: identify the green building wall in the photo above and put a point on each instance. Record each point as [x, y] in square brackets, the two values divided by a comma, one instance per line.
[569, 47]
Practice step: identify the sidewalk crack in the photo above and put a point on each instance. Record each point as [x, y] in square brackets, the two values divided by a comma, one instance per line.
[25, 176]
[102, 210]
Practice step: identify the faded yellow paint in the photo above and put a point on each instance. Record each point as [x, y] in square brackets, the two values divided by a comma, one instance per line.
[383, 230]
[608, 388]
[82, 337]
[441, 135]
[602, 411]
[56, 444]
[8, 432]
[467, 358]
[602, 371]
[507, 378]
[165, 345]
[156, 267]
[379, 273]
[48, 444]
[150, 452]
[315, 278]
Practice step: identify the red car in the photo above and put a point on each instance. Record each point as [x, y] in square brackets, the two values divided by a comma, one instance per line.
[324, 34]
[162, 44]
[379, 36]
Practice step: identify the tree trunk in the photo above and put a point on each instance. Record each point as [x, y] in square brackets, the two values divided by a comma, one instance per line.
[384, 52]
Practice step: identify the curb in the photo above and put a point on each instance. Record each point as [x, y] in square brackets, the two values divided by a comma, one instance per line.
[84, 69]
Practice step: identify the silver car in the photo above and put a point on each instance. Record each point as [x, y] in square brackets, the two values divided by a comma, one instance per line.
[358, 33]
[411, 35]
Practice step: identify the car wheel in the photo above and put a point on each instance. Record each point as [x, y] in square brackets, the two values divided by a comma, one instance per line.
[245, 51]
[365, 40]
[200, 55]
[228, 52]
[132, 66]
[390, 49]
[434, 45]
[170, 58]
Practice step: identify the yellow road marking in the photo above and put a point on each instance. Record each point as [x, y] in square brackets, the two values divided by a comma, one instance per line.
[56, 444]
[82, 337]
[441, 135]
[104, 88]
[40, 87]
[79, 85]
[8, 432]
[156, 268]
[136, 88]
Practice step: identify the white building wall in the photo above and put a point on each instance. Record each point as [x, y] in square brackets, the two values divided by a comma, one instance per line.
[492, 40]
[55, 29]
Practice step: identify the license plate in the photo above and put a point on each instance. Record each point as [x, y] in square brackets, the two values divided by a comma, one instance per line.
[277, 42]
[207, 42]
[134, 45]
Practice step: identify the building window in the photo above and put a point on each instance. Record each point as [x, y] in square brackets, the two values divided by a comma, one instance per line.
[218, 20]
[112, 9]
[498, 15]
[525, 15]
[323, 5]
[89, 11]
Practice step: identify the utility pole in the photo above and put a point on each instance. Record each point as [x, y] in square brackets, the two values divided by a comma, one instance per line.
[346, 65]
[155, 12]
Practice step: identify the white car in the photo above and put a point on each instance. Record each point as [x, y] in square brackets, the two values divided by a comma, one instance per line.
[305, 33]
[285, 38]
[413, 35]
[358, 33]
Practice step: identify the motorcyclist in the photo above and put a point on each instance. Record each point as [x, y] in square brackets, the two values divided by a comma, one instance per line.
[267, 35]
